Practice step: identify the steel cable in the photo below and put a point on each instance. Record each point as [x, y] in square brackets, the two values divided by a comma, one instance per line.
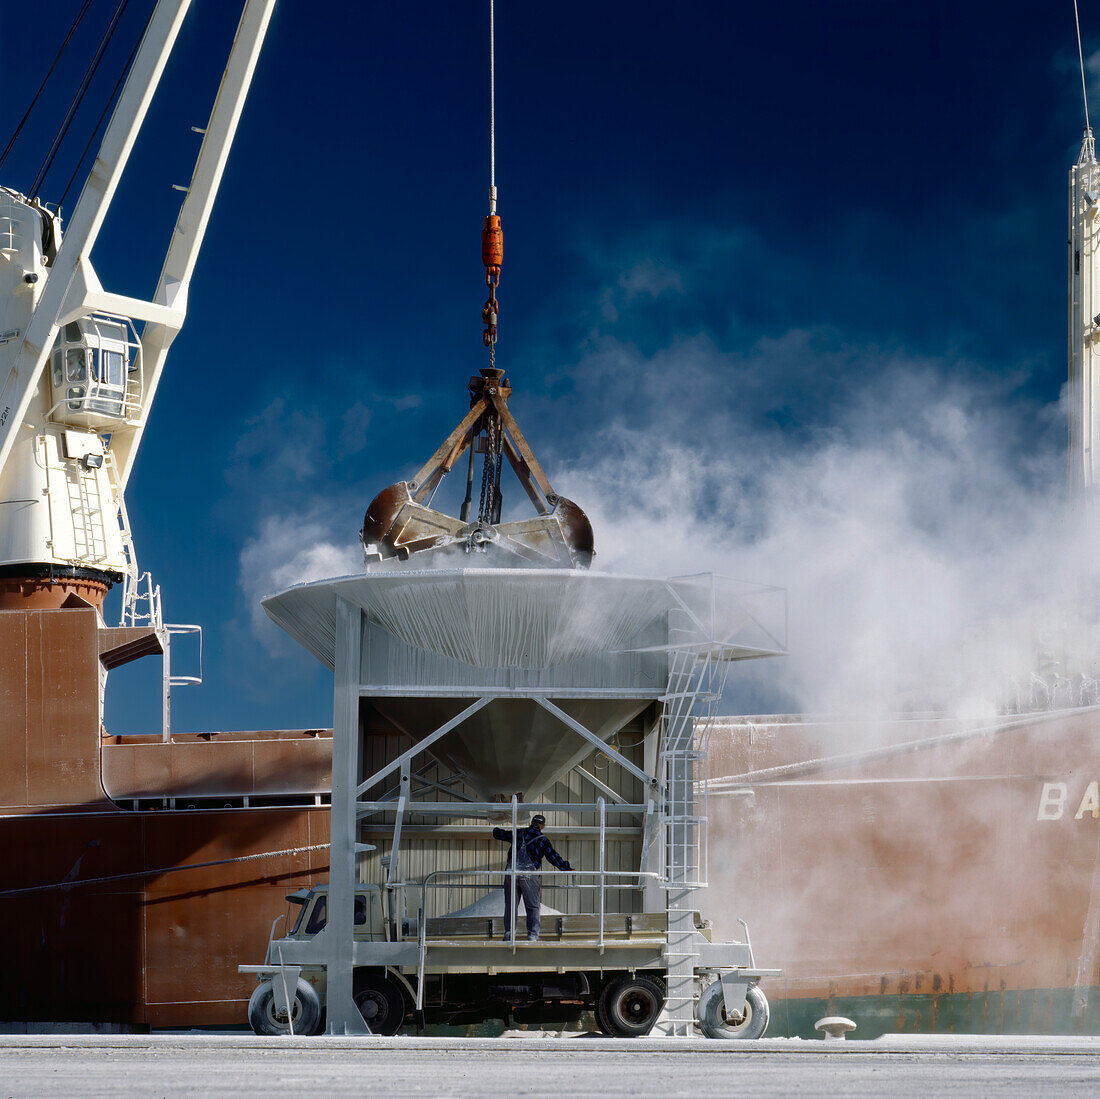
[93, 67]
[492, 110]
[106, 107]
[162, 870]
[45, 81]
[1081, 59]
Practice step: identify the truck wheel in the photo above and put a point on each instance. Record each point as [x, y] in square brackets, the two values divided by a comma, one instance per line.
[381, 1002]
[629, 1006]
[305, 1010]
[711, 1014]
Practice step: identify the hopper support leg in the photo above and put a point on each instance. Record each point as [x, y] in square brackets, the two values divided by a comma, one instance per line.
[343, 1016]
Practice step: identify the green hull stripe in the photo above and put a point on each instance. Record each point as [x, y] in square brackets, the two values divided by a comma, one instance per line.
[1030, 1011]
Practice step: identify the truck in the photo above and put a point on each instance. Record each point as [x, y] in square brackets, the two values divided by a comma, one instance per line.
[468, 969]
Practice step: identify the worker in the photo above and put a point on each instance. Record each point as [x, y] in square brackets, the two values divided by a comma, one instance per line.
[533, 847]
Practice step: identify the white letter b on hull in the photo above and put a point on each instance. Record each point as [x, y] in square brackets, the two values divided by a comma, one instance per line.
[1052, 801]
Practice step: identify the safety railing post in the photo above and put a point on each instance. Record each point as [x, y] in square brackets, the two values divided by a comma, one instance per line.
[271, 937]
[290, 1000]
[510, 915]
[422, 951]
[603, 865]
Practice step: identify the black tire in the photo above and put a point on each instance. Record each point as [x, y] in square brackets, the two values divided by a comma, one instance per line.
[305, 1011]
[629, 1006]
[711, 1014]
[381, 1002]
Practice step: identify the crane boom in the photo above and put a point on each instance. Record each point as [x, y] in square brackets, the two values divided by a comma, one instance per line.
[194, 215]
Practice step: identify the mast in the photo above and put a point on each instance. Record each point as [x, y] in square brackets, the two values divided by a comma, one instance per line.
[1084, 320]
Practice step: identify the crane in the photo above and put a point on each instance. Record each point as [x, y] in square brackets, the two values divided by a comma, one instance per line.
[77, 380]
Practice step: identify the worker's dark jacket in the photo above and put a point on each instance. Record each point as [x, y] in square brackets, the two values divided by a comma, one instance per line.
[533, 848]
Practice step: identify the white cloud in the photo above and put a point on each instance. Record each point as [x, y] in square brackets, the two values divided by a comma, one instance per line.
[912, 508]
[280, 444]
[289, 550]
[1092, 73]
[355, 428]
[911, 504]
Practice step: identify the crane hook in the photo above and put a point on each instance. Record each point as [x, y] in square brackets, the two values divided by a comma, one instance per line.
[492, 256]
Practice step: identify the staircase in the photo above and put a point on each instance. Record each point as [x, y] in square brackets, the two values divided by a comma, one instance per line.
[140, 598]
[680, 830]
[695, 679]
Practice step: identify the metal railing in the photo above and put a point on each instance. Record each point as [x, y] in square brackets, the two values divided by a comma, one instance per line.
[171, 679]
[627, 879]
[602, 881]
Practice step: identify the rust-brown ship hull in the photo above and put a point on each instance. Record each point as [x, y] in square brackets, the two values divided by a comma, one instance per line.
[910, 874]
[147, 950]
[138, 872]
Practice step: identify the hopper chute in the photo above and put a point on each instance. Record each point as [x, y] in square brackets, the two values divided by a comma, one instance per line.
[511, 745]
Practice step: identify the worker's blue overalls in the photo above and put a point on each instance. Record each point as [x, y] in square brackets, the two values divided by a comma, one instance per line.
[527, 886]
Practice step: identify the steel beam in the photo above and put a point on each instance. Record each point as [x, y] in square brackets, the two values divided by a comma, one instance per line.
[469, 808]
[600, 785]
[591, 737]
[194, 215]
[395, 846]
[17, 389]
[420, 745]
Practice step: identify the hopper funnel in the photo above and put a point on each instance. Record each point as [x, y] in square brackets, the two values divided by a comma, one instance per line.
[512, 745]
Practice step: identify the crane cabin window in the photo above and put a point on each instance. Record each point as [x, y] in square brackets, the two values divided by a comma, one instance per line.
[76, 367]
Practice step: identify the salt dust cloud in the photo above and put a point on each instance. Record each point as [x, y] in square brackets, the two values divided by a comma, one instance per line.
[919, 526]
[914, 508]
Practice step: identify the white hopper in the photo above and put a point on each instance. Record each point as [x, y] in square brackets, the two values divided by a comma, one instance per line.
[531, 618]
[595, 644]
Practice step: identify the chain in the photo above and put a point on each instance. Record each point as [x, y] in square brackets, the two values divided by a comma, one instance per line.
[489, 471]
[492, 256]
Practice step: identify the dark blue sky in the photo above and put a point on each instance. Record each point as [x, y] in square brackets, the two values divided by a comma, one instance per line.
[885, 179]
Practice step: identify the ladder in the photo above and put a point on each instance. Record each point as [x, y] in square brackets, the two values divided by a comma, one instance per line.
[86, 507]
[680, 829]
[696, 677]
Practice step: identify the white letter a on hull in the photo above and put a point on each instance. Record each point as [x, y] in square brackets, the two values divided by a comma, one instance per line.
[1090, 803]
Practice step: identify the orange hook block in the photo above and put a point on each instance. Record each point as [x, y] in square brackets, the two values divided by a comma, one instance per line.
[492, 247]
